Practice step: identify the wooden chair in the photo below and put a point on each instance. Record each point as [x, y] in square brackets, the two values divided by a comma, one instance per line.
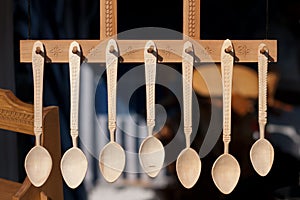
[17, 116]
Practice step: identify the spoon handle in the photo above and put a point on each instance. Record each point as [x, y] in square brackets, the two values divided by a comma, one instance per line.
[112, 54]
[262, 88]
[38, 54]
[187, 73]
[227, 59]
[74, 68]
[150, 58]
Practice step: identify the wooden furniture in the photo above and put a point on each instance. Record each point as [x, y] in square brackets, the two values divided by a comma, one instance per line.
[17, 116]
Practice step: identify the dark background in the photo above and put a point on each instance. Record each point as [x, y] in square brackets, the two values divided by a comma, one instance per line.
[79, 19]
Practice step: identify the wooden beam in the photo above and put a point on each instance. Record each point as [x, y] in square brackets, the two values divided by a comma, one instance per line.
[191, 19]
[108, 18]
[131, 51]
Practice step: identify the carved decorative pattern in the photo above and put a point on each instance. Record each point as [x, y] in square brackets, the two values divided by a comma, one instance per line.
[108, 18]
[56, 51]
[209, 50]
[17, 117]
[191, 18]
[168, 50]
[129, 51]
[243, 50]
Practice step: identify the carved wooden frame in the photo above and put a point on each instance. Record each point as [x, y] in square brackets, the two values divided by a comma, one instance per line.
[131, 51]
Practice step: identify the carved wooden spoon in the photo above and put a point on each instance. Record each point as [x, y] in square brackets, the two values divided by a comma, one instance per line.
[262, 152]
[38, 162]
[112, 157]
[188, 164]
[151, 152]
[226, 170]
[74, 164]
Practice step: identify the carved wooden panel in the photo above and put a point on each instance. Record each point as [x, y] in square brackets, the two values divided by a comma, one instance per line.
[15, 115]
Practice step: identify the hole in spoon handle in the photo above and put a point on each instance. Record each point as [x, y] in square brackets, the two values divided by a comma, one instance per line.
[227, 67]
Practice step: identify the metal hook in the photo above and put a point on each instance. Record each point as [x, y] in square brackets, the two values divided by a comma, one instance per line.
[75, 50]
[264, 50]
[188, 50]
[150, 49]
[111, 49]
[228, 49]
[38, 50]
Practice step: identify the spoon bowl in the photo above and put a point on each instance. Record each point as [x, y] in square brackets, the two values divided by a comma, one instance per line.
[152, 155]
[74, 167]
[225, 173]
[112, 161]
[188, 167]
[38, 165]
[262, 156]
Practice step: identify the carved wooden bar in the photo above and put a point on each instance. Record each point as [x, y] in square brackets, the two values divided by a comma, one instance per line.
[131, 51]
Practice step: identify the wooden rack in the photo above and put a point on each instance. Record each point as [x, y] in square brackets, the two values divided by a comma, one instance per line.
[131, 51]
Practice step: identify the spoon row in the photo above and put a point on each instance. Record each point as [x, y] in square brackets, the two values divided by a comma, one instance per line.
[225, 171]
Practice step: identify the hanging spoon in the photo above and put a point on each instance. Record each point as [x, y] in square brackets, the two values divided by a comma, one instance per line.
[226, 170]
[112, 157]
[38, 162]
[74, 164]
[188, 164]
[151, 152]
[262, 152]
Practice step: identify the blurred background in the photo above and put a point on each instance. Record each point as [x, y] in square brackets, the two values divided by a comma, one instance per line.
[232, 19]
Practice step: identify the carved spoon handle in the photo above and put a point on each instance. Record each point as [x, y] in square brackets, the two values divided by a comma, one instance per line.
[227, 59]
[38, 54]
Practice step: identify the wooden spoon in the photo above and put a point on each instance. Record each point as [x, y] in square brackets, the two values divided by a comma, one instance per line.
[151, 152]
[112, 157]
[188, 164]
[262, 152]
[74, 164]
[226, 170]
[38, 162]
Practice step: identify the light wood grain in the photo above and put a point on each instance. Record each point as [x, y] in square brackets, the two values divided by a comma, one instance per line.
[108, 18]
[132, 51]
[191, 18]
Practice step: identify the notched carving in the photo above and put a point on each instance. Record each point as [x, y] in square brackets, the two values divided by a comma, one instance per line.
[17, 117]
[56, 51]
[168, 51]
[129, 51]
[243, 50]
